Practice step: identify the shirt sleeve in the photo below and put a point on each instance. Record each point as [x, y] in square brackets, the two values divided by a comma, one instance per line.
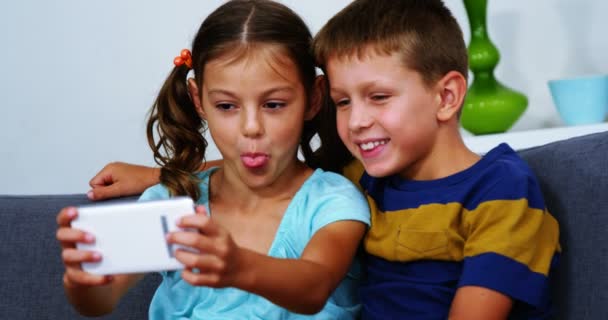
[340, 200]
[155, 192]
[512, 241]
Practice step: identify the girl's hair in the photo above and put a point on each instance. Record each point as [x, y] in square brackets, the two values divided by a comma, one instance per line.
[175, 130]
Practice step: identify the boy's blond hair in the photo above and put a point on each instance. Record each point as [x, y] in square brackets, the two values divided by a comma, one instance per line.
[424, 32]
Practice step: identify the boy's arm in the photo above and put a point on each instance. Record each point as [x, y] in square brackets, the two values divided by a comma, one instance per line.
[472, 303]
[119, 179]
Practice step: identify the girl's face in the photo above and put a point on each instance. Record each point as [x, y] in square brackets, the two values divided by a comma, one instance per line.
[255, 105]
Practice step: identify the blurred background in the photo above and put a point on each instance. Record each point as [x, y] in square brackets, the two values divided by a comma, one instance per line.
[77, 77]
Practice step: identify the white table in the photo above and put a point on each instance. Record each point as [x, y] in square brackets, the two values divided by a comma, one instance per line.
[519, 140]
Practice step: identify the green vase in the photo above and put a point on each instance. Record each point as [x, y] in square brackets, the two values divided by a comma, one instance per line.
[489, 107]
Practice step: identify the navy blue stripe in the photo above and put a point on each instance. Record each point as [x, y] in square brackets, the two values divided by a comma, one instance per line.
[500, 175]
[502, 274]
[416, 290]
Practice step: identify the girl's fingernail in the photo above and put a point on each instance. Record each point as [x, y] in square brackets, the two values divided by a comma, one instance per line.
[71, 212]
[88, 237]
[90, 194]
[96, 256]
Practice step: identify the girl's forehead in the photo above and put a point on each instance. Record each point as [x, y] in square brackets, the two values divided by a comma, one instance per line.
[258, 66]
[271, 55]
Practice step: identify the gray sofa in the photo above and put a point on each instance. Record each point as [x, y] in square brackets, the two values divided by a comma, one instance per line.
[573, 175]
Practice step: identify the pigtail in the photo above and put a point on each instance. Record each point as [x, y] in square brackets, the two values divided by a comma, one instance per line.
[332, 154]
[181, 145]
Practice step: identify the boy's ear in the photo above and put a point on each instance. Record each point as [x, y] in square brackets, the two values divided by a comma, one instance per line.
[316, 97]
[452, 90]
[195, 96]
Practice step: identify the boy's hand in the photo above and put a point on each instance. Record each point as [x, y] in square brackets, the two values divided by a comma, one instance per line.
[119, 179]
[217, 262]
[72, 257]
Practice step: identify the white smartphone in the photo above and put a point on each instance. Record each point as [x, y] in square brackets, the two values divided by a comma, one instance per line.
[131, 236]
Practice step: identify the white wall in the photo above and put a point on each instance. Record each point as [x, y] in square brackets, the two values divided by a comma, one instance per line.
[77, 77]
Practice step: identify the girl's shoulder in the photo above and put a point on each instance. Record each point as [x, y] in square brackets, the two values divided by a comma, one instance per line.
[325, 181]
[328, 197]
[160, 191]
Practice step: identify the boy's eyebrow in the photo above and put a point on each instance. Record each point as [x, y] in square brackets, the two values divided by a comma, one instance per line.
[360, 86]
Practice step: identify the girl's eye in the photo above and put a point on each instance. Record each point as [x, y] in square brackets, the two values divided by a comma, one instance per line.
[225, 106]
[274, 105]
[342, 103]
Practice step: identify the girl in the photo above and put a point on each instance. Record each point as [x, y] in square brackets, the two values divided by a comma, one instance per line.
[276, 237]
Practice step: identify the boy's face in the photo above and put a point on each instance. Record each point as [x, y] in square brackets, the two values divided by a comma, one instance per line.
[386, 116]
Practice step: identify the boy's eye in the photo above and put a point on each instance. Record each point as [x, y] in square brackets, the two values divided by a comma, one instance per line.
[225, 106]
[274, 105]
[380, 97]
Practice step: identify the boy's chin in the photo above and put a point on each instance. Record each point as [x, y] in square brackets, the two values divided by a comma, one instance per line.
[378, 170]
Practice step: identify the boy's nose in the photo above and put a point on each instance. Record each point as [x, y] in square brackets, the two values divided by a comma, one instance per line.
[359, 118]
[252, 125]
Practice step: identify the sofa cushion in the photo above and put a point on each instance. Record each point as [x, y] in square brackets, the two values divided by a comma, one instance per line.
[573, 176]
[31, 270]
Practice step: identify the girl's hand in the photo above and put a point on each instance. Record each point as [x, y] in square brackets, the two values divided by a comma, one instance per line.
[119, 179]
[217, 263]
[72, 257]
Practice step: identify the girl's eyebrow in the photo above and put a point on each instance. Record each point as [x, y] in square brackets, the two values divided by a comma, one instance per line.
[264, 93]
[278, 89]
[221, 91]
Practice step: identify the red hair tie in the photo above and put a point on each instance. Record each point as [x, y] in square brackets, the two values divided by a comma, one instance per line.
[185, 57]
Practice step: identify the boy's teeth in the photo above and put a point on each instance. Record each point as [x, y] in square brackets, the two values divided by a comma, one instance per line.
[370, 145]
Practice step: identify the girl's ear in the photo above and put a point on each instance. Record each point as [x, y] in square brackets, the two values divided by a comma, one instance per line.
[195, 96]
[452, 90]
[316, 97]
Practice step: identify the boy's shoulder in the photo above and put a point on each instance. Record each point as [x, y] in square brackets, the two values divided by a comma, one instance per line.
[504, 175]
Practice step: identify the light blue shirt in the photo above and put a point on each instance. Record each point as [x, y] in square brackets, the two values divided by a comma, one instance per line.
[324, 198]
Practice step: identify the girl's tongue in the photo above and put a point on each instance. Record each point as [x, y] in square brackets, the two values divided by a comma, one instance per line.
[254, 161]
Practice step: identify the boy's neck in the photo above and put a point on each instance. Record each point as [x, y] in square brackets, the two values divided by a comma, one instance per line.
[448, 155]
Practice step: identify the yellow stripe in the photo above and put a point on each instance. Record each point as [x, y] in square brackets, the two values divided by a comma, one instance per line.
[448, 232]
[353, 171]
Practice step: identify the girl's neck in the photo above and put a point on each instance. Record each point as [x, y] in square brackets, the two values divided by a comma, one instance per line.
[226, 188]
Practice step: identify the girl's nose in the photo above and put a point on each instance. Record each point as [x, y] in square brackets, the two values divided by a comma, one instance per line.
[252, 125]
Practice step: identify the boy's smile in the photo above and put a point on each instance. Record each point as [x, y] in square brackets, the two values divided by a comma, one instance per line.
[386, 115]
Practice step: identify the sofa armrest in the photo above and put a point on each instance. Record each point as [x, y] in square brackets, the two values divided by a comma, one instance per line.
[573, 175]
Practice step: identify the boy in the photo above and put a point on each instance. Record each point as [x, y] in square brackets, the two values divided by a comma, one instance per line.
[453, 235]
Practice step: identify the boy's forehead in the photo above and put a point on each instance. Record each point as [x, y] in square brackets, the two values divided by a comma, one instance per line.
[362, 54]
[366, 56]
